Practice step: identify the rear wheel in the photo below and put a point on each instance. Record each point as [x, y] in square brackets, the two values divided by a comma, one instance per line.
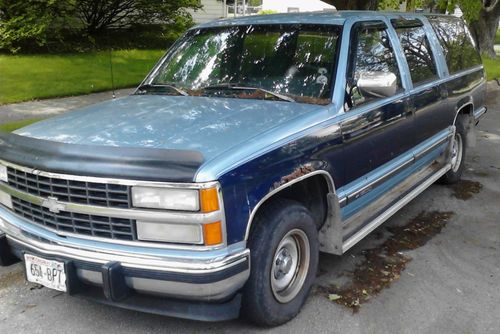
[284, 260]
[458, 150]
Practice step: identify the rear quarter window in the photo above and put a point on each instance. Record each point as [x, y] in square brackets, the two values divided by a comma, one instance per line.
[418, 54]
[458, 46]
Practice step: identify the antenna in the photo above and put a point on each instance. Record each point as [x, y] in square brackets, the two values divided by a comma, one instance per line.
[111, 72]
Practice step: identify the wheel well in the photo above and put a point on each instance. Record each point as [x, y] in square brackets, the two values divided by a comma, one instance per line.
[311, 192]
[467, 109]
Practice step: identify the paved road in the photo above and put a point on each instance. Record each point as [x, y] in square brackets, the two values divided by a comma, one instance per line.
[450, 286]
[51, 107]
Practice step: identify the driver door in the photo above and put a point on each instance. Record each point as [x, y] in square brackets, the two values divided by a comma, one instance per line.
[377, 129]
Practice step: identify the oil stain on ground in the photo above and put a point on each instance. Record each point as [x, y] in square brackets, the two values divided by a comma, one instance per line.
[10, 279]
[465, 189]
[384, 264]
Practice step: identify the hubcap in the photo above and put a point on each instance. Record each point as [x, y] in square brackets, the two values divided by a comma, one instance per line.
[456, 152]
[290, 265]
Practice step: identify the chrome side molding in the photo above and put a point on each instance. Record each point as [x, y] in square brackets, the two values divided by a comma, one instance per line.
[367, 229]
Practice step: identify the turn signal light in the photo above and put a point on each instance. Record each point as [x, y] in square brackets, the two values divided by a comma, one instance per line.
[212, 233]
[209, 200]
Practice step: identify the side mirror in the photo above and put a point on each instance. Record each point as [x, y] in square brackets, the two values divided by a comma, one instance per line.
[377, 84]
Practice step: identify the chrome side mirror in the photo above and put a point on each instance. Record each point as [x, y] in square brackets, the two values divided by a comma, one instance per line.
[377, 84]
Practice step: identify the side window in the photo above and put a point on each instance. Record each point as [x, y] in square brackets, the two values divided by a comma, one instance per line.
[373, 73]
[457, 43]
[418, 54]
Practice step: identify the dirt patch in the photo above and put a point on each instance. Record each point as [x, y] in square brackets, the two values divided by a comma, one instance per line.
[383, 265]
[10, 279]
[465, 189]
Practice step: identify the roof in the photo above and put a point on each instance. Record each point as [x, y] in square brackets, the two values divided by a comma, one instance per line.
[322, 17]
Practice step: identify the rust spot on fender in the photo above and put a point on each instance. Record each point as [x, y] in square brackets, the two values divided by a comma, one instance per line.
[301, 171]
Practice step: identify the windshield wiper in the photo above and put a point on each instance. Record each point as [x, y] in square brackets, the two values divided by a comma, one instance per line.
[147, 87]
[241, 87]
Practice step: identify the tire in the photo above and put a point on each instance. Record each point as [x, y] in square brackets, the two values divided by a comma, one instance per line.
[267, 298]
[458, 152]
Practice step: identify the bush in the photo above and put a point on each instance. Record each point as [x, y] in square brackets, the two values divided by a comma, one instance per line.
[55, 26]
[267, 12]
[135, 37]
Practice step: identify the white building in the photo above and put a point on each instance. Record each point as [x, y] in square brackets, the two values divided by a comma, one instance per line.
[295, 6]
[216, 9]
[212, 10]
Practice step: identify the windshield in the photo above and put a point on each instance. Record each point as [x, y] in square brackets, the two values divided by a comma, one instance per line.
[292, 63]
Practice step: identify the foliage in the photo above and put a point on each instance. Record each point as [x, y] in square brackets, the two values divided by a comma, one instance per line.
[30, 77]
[497, 37]
[412, 5]
[470, 8]
[388, 5]
[492, 67]
[59, 25]
[32, 20]
[254, 3]
[354, 4]
[267, 12]
[392, 5]
[99, 15]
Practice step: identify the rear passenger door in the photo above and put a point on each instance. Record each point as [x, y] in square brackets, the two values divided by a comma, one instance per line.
[427, 96]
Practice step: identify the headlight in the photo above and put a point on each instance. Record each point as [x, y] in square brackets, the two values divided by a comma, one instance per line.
[203, 203]
[3, 174]
[166, 198]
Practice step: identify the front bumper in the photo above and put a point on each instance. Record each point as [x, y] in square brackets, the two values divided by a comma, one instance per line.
[199, 285]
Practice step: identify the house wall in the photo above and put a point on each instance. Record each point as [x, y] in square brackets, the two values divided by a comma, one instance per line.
[212, 10]
[282, 6]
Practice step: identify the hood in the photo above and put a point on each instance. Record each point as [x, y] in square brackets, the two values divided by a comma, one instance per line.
[208, 125]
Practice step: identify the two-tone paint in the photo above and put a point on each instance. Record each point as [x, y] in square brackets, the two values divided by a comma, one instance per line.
[370, 160]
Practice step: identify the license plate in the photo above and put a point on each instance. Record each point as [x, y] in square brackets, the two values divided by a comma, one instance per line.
[48, 273]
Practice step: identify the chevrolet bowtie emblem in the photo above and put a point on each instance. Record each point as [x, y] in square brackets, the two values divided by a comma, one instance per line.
[53, 205]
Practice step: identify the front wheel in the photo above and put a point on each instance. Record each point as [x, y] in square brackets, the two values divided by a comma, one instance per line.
[284, 260]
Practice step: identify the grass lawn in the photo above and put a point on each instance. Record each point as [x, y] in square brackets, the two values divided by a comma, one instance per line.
[492, 67]
[28, 77]
[9, 127]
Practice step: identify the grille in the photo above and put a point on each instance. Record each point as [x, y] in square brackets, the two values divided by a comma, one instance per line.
[91, 225]
[88, 193]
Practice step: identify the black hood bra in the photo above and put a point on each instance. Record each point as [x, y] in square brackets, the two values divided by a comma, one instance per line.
[144, 164]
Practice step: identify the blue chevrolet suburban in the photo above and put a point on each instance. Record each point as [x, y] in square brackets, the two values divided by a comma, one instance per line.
[253, 145]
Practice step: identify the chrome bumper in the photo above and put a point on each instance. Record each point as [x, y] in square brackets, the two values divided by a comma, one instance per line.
[193, 275]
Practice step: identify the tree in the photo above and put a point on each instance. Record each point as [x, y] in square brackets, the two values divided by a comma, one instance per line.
[31, 20]
[388, 5]
[482, 17]
[354, 4]
[99, 15]
[50, 23]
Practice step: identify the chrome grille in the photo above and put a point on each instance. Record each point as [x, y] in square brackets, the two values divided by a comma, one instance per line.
[91, 225]
[87, 193]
